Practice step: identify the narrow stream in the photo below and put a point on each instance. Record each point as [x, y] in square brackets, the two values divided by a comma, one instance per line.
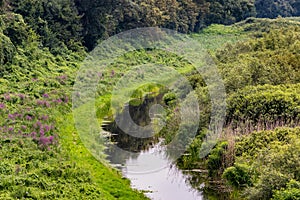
[166, 183]
[145, 163]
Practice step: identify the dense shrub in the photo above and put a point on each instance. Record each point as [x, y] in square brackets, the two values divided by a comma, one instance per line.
[7, 50]
[292, 192]
[28, 172]
[267, 103]
[238, 175]
[215, 158]
[270, 59]
[57, 22]
[274, 156]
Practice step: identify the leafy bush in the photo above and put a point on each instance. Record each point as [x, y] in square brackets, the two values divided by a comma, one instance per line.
[267, 103]
[215, 158]
[270, 58]
[7, 50]
[274, 156]
[238, 175]
[292, 192]
[28, 172]
[169, 98]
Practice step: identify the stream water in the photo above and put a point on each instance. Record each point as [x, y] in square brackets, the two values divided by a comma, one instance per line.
[145, 163]
[153, 173]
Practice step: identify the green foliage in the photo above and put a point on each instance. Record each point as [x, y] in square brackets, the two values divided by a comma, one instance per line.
[101, 19]
[221, 29]
[253, 144]
[40, 51]
[274, 156]
[271, 59]
[56, 21]
[14, 27]
[7, 50]
[191, 160]
[267, 103]
[215, 158]
[169, 98]
[108, 180]
[258, 26]
[76, 22]
[238, 175]
[34, 96]
[292, 192]
[228, 11]
[28, 172]
[275, 8]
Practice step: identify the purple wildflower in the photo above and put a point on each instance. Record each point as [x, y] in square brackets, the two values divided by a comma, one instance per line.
[17, 115]
[37, 124]
[47, 104]
[2, 106]
[33, 134]
[29, 118]
[46, 95]
[10, 129]
[44, 117]
[23, 127]
[44, 141]
[66, 99]
[51, 138]
[7, 97]
[21, 96]
[42, 132]
[39, 102]
[112, 73]
[47, 128]
[11, 116]
[63, 77]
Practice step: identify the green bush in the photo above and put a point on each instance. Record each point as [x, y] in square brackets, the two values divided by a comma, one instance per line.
[215, 158]
[270, 58]
[169, 98]
[292, 192]
[7, 50]
[274, 158]
[238, 175]
[267, 103]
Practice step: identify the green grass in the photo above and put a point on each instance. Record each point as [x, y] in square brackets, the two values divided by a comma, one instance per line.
[109, 180]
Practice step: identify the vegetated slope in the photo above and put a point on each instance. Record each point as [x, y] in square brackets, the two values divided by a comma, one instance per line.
[38, 160]
[37, 71]
[257, 156]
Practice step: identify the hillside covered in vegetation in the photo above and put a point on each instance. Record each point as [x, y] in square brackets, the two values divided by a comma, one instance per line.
[42, 44]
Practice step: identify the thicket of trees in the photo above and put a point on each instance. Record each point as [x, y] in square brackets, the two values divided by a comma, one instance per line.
[274, 8]
[72, 22]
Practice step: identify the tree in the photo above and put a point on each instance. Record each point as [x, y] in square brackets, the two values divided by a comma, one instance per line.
[229, 11]
[56, 21]
[273, 8]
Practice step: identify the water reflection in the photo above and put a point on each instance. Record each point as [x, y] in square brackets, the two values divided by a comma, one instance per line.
[145, 161]
[167, 183]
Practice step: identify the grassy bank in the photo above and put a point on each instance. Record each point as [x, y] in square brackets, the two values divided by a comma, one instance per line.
[109, 180]
[39, 159]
